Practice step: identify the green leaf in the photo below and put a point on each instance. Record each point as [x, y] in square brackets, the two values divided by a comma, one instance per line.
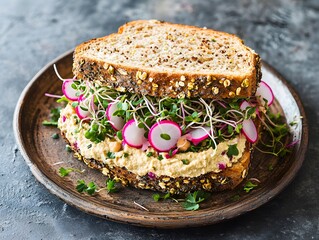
[91, 187]
[50, 123]
[188, 118]
[249, 186]
[110, 186]
[238, 128]
[156, 197]
[190, 206]
[234, 105]
[230, 129]
[160, 157]
[110, 155]
[235, 198]
[149, 154]
[250, 112]
[125, 155]
[270, 167]
[192, 200]
[185, 161]
[81, 186]
[119, 135]
[55, 114]
[165, 136]
[62, 99]
[74, 104]
[232, 150]
[55, 136]
[105, 104]
[65, 171]
[68, 148]
[166, 196]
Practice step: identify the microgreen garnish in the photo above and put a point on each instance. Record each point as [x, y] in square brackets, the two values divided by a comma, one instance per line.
[147, 110]
[110, 155]
[65, 171]
[232, 150]
[68, 148]
[185, 161]
[149, 154]
[278, 130]
[55, 136]
[81, 186]
[125, 155]
[54, 117]
[157, 197]
[249, 186]
[89, 188]
[119, 135]
[160, 157]
[110, 186]
[270, 167]
[235, 198]
[165, 136]
[193, 200]
[49, 123]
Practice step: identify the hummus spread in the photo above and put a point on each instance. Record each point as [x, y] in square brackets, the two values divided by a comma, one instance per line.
[136, 161]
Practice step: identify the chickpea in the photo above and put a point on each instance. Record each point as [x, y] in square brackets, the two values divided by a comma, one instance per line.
[183, 144]
[115, 146]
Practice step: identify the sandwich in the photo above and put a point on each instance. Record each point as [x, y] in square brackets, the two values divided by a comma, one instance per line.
[166, 107]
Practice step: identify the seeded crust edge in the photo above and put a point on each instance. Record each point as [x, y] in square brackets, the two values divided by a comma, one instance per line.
[146, 81]
[212, 182]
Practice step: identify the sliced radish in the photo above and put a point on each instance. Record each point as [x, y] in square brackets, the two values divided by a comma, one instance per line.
[80, 109]
[133, 135]
[244, 105]
[116, 122]
[250, 131]
[145, 146]
[163, 135]
[69, 92]
[81, 112]
[199, 134]
[265, 91]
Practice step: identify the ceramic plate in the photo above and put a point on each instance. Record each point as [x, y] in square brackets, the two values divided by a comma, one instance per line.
[45, 156]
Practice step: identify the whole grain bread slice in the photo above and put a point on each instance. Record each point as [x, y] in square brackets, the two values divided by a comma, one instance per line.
[157, 58]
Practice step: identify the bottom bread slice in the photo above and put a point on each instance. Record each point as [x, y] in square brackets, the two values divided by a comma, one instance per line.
[224, 180]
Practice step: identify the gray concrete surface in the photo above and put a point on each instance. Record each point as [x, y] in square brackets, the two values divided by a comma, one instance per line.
[284, 32]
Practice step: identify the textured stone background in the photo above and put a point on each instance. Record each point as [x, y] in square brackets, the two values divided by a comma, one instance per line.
[33, 32]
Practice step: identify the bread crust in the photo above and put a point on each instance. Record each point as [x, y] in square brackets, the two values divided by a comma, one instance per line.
[147, 81]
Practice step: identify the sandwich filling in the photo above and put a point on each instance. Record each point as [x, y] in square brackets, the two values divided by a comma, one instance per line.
[158, 135]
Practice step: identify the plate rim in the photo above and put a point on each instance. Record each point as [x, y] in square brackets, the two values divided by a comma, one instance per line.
[135, 218]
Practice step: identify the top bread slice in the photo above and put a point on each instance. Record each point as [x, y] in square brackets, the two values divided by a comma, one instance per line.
[151, 57]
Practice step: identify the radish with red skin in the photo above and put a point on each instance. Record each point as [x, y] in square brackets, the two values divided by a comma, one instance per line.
[133, 135]
[265, 92]
[249, 128]
[116, 122]
[244, 105]
[69, 92]
[163, 135]
[79, 111]
[199, 134]
[250, 131]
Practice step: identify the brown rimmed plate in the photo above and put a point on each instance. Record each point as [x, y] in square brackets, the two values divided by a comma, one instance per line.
[45, 155]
